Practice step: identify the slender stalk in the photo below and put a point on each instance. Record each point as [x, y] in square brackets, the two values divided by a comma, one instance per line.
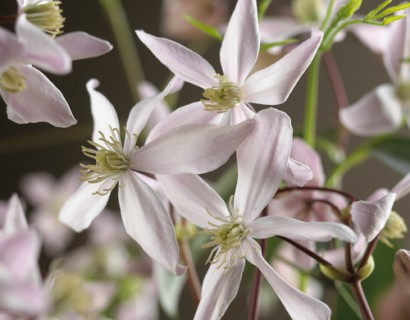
[347, 297]
[126, 44]
[361, 300]
[311, 101]
[324, 189]
[334, 208]
[369, 251]
[8, 19]
[328, 14]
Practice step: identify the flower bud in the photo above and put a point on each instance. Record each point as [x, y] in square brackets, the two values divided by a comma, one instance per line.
[394, 229]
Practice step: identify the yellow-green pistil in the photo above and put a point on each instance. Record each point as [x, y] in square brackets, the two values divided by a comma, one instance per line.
[226, 238]
[12, 81]
[222, 97]
[47, 16]
[110, 160]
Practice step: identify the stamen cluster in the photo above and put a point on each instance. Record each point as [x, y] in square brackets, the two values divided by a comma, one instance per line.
[12, 81]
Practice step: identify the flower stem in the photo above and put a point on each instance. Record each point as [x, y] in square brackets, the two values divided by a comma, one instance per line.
[361, 300]
[311, 101]
[8, 19]
[324, 189]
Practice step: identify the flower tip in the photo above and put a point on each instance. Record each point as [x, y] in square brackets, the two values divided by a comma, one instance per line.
[92, 84]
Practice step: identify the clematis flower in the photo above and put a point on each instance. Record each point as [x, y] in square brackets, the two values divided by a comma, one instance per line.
[233, 228]
[227, 96]
[194, 149]
[382, 110]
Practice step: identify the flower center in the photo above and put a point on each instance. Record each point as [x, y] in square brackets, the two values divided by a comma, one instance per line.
[47, 16]
[222, 97]
[12, 81]
[110, 160]
[307, 11]
[226, 240]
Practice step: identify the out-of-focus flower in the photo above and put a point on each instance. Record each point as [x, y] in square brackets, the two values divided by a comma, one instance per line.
[173, 24]
[261, 167]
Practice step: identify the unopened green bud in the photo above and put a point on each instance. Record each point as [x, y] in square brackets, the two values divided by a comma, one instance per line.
[348, 9]
[308, 10]
[394, 229]
[12, 81]
[335, 273]
[185, 230]
[365, 271]
[403, 89]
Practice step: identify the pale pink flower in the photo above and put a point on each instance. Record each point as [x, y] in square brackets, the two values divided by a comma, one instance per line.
[261, 167]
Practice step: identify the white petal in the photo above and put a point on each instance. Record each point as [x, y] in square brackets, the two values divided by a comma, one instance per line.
[83, 206]
[219, 288]
[297, 173]
[240, 113]
[11, 49]
[191, 149]
[185, 63]
[371, 217]
[103, 112]
[240, 46]
[40, 49]
[147, 222]
[194, 199]
[41, 101]
[15, 219]
[81, 45]
[273, 85]
[289, 205]
[262, 160]
[402, 188]
[267, 227]
[376, 113]
[298, 305]
[367, 34]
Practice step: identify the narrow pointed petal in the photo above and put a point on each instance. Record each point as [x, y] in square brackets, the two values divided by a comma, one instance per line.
[219, 288]
[147, 222]
[273, 85]
[15, 220]
[103, 112]
[241, 113]
[191, 149]
[11, 49]
[371, 217]
[193, 198]
[40, 49]
[376, 113]
[185, 63]
[297, 173]
[298, 305]
[240, 46]
[41, 101]
[81, 45]
[267, 227]
[261, 165]
[402, 188]
[83, 206]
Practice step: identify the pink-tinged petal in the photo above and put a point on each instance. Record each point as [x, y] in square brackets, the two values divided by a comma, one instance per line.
[402, 188]
[376, 113]
[240, 113]
[274, 84]
[367, 34]
[147, 222]
[103, 112]
[220, 287]
[10, 49]
[191, 149]
[194, 199]
[83, 206]
[185, 63]
[290, 205]
[38, 187]
[192, 113]
[81, 45]
[302, 152]
[397, 48]
[378, 194]
[262, 161]
[267, 227]
[41, 101]
[40, 49]
[15, 220]
[297, 173]
[371, 217]
[298, 305]
[240, 46]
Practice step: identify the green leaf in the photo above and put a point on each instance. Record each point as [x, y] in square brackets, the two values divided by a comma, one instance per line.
[395, 152]
[207, 29]
[372, 13]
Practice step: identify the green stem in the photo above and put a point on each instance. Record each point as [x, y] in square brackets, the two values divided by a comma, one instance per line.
[327, 16]
[311, 101]
[126, 44]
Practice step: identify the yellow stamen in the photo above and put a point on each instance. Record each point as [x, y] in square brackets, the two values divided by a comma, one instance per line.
[12, 81]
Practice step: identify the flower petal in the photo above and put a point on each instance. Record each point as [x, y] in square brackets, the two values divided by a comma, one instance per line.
[220, 287]
[11, 49]
[297, 173]
[262, 161]
[15, 219]
[40, 49]
[83, 206]
[191, 149]
[297, 304]
[274, 84]
[81, 45]
[193, 198]
[376, 113]
[41, 101]
[240, 46]
[185, 63]
[402, 188]
[371, 217]
[366, 33]
[147, 222]
[103, 112]
[267, 227]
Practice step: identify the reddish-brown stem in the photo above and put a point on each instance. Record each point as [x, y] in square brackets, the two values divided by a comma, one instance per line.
[334, 208]
[361, 300]
[8, 19]
[324, 189]
[369, 250]
[193, 279]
